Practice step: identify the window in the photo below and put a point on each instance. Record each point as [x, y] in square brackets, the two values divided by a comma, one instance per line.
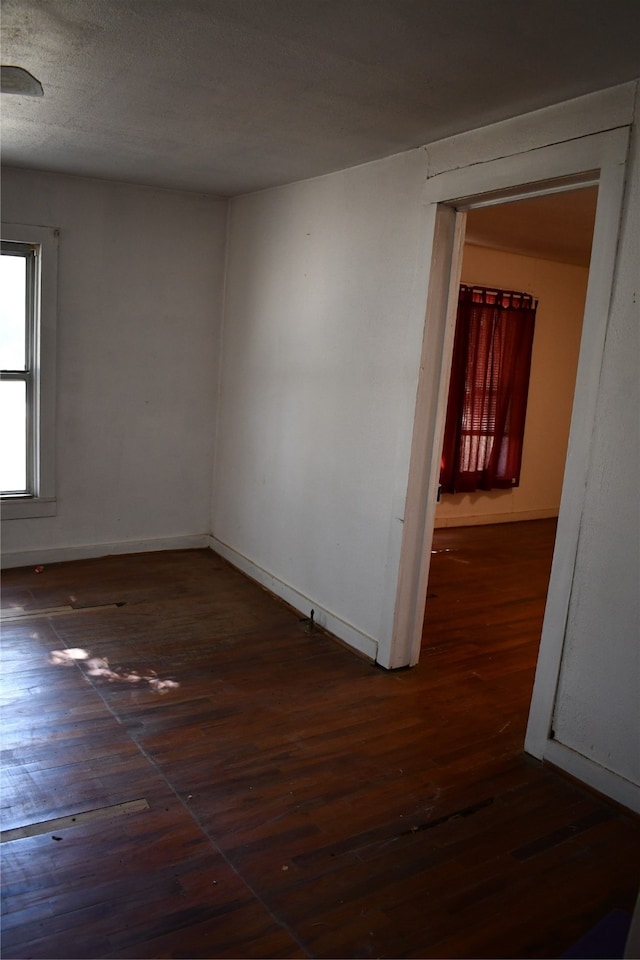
[486, 409]
[18, 281]
[28, 280]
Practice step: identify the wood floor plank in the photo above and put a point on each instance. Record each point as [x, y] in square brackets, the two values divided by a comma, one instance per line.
[302, 802]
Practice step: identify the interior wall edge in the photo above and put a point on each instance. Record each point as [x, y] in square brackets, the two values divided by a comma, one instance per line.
[346, 632]
[604, 781]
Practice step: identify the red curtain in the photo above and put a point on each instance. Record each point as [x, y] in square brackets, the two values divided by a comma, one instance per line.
[487, 403]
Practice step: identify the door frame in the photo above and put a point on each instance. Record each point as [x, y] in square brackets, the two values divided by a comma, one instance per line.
[593, 159]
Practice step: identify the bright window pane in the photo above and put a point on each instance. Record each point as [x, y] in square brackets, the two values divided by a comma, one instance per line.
[13, 443]
[13, 279]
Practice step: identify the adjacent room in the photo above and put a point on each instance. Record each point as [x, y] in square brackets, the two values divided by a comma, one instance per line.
[276, 682]
[542, 248]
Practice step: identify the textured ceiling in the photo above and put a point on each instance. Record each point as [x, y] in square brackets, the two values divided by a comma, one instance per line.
[230, 96]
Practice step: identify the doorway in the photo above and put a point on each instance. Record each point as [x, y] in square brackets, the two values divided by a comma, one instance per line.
[595, 160]
[487, 587]
[539, 246]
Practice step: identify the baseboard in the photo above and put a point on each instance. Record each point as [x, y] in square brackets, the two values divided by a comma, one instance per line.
[603, 781]
[344, 631]
[25, 558]
[478, 520]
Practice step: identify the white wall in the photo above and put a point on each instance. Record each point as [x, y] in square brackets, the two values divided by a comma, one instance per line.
[139, 303]
[560, 289]
[321, 357]
[584, 715]
[318, 387]
[320, 364]
[598, 704]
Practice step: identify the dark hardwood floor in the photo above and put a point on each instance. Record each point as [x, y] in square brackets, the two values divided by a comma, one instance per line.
[288, 798]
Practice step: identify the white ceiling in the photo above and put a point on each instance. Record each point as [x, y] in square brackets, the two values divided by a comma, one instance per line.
[231, 96]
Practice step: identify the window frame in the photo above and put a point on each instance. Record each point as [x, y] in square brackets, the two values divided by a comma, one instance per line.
[30, 253]
[40, 499]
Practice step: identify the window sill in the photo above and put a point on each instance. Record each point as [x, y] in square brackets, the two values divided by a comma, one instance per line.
[26, 507]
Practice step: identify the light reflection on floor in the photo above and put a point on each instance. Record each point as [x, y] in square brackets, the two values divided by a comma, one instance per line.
[99, 667]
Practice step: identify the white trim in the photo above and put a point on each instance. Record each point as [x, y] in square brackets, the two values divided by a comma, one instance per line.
[527, 173]
[43, 503]
[22, 508]
[483, 519]
[344, 631]
[528, 190]
[594, 329]
[534, 168]
[605, 152]
[569, 120]
[25, 558]
[428, 431]
[606, 782]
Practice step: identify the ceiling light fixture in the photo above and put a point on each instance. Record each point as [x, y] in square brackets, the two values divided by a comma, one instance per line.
[18, 80]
